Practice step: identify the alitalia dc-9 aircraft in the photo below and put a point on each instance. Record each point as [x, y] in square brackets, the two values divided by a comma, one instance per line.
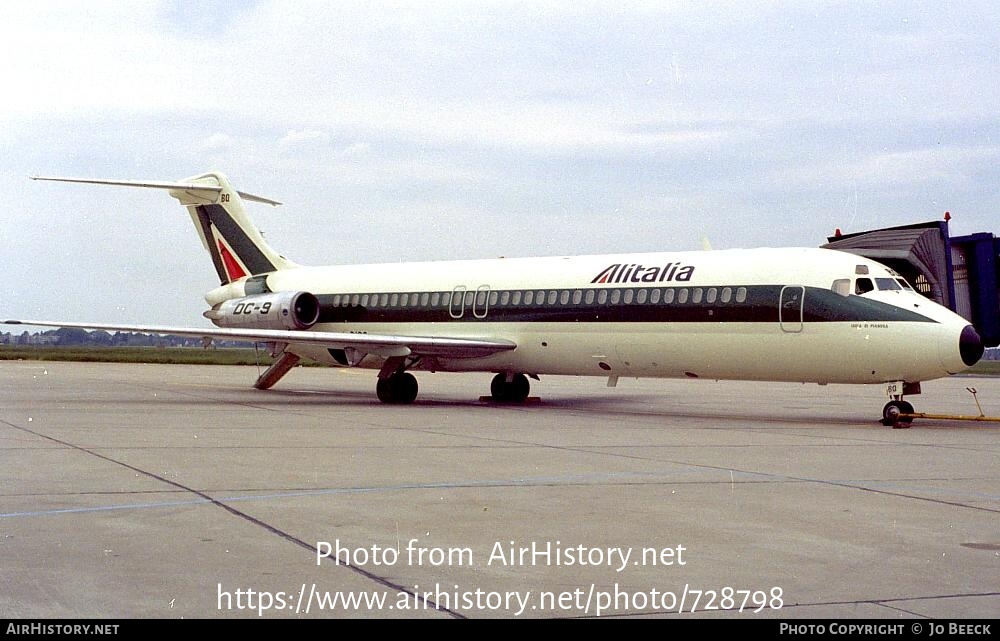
[796, 315]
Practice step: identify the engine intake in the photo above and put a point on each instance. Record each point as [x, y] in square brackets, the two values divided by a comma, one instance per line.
[280, 310]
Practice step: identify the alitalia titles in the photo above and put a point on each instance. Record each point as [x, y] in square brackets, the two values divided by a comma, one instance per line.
[636, 273]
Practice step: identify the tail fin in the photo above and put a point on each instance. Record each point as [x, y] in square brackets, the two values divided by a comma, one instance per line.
[236, 246]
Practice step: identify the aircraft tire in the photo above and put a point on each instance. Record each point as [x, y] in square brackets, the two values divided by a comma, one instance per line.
[513, 392]
[891, 412]
[398, 389]
[499, 388]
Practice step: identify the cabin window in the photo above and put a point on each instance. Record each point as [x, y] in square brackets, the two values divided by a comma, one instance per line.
[711, 295]
[393, 300]
[552, 297]
[336, 300]
[627, 298]
[480, 298]
[682, 296]
[602, 296]
[384, 300]
[589, 299]
[515, 298]
[887, 284]
[364, 300]
[654, 296]
[668, 296]
[564, 297]
[741, 295]
[505, 298]
[435, 299]
[529, 297]
[577, 296]
[697, 295]
[863, 286]
[616, 296]
[424, 299]
[404, 300]
[842, 286]
[494, 297]
[355, 300]
[641, 296]
[727, 294]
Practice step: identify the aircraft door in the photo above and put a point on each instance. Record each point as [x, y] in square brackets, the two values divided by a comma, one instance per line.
[481, 303]
[790, 308]
[456, 308]
[464, 300]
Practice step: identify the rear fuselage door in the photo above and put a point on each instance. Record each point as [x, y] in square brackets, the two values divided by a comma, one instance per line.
[790, 308]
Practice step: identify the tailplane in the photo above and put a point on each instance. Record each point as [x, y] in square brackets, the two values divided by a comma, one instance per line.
[236, 246]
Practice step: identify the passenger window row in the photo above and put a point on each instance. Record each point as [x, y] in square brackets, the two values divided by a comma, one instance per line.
[547, 297]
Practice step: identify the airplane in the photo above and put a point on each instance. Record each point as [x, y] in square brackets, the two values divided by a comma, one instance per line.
[805, 315]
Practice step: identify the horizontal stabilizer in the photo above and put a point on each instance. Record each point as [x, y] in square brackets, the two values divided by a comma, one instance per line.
[160, 184]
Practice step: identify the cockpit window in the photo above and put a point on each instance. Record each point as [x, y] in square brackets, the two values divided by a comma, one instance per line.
[863, 286]
[842, 286]
[905, 285]
[887, 284]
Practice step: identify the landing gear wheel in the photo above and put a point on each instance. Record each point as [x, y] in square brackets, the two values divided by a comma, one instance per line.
[397, 389]
[513, 392]
[498, 388]
[891, 412]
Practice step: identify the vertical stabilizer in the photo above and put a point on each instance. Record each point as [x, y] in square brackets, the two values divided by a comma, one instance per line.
[235, 244]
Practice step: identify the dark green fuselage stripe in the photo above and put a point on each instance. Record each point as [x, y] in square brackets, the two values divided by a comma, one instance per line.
[761, 306]
[245, 249]
[213, 251]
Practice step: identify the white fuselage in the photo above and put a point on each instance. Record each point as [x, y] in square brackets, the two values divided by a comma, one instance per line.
[761, 314]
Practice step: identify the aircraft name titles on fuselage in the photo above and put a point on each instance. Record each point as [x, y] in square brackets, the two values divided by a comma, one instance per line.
[638, 273]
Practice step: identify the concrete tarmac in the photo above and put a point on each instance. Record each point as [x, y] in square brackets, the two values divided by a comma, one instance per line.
[179, 491]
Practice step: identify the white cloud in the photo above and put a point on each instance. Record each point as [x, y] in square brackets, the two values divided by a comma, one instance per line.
[217, 142]
[297, 138]
[536, 116]
[895, 168]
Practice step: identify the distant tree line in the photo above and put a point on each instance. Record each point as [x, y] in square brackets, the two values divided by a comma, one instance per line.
[71, 336]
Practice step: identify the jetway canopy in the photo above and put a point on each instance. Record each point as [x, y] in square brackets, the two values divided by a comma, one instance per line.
[961, 273]
[918, 252]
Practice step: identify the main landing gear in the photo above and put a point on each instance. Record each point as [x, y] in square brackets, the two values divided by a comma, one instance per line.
[509, 388]
[898, 413]
[398, 389]
[395, 385]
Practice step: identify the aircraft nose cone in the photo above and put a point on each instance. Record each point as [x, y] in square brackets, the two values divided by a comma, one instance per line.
[970, 345]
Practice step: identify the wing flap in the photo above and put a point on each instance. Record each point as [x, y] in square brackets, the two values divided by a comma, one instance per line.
[379, 344]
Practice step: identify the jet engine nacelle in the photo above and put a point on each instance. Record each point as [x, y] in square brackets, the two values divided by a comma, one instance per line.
[281, 310]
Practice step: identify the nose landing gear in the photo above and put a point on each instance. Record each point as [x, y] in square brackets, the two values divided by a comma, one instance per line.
[898, 413]
[892, 411]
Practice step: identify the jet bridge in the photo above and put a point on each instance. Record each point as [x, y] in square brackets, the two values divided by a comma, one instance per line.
[961, 273]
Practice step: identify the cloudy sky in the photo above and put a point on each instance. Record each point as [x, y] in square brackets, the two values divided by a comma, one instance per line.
[435, 130]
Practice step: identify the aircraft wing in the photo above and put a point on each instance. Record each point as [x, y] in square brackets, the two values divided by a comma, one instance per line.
[379, 344]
